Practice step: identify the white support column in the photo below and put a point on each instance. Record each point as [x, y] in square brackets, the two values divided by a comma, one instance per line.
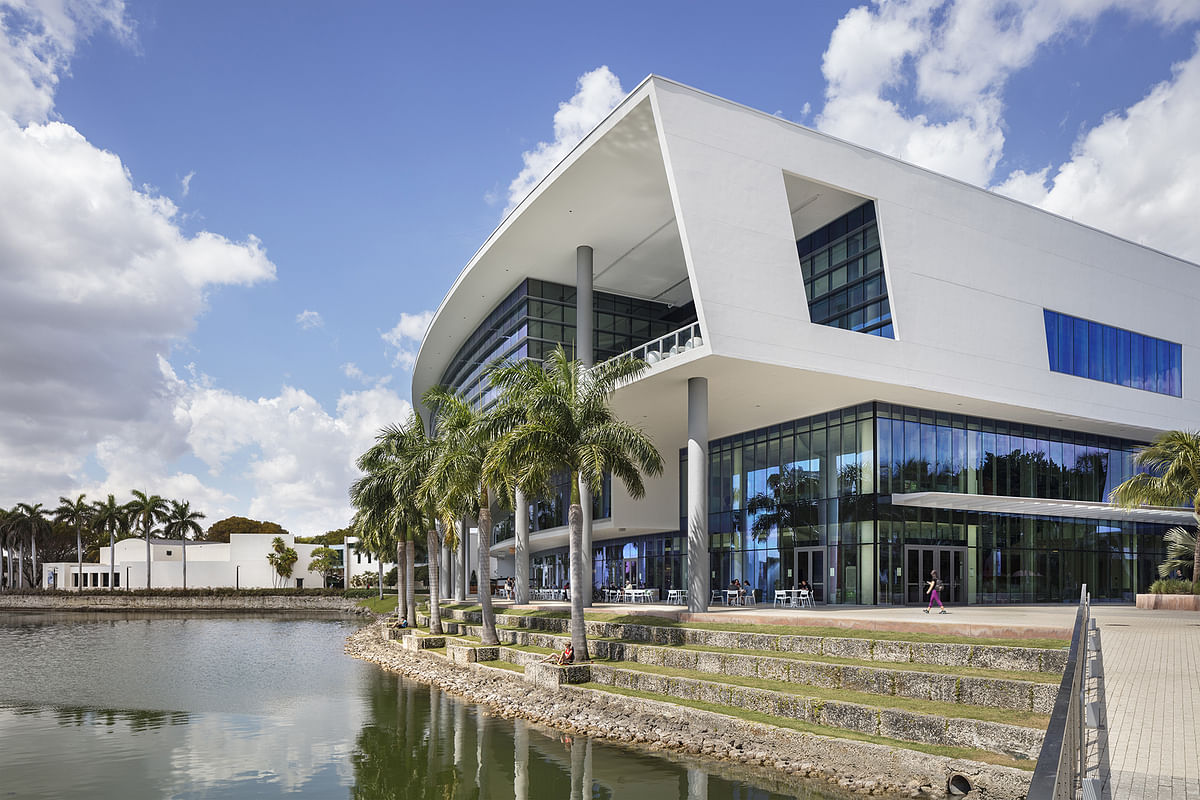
[697, 495]
[585, 352]
[521, 559]
[464, 562]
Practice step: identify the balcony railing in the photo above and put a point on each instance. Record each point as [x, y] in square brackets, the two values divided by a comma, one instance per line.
[674, 343]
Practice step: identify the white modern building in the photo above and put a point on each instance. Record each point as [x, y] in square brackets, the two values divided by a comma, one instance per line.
[860, 370]
[357, 561]
[240, 563]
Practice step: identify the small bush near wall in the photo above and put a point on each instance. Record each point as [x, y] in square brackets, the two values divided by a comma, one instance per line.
[1171, 586]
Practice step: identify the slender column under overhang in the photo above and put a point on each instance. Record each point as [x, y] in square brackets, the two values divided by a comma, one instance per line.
[464, 561]
[585, 352]
[697, 494]
[521, 512]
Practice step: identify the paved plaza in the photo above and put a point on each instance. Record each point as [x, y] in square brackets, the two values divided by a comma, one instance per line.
[1151, 665]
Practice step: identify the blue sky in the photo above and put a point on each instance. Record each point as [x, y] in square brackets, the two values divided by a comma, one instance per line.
[227, 222]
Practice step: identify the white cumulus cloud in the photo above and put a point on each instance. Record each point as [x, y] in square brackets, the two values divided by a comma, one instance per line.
[598, 93]
[406, 337]
[956, 58]
[1137, 173]
[309, 319]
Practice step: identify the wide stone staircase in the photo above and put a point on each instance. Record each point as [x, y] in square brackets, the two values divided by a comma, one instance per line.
[985, 697]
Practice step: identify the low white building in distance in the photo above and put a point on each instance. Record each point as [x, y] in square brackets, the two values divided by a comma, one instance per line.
[240, 563]
[359, 561]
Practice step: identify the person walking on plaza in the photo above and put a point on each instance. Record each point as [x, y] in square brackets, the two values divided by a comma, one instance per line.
[932, 588]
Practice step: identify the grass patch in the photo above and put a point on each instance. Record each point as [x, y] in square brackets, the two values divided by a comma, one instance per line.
[503, 665]
[829, 632]
[818, 631]
[820, 730]
[387, 605]
[894, 666]
[1025, 719]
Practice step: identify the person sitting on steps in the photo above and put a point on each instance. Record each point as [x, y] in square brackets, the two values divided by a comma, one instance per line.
[561, 659]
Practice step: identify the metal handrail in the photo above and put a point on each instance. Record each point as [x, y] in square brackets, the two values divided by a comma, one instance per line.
[686, 338]
[1062, 763]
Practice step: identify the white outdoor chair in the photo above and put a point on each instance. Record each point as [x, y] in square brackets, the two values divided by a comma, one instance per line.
[718, 596]
[806, 598]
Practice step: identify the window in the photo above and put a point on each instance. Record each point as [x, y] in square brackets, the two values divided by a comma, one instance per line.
[1104, 353]
[842, 266]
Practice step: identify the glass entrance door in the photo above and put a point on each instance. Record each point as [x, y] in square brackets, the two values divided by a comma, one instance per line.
[810, 566]
[951, 566]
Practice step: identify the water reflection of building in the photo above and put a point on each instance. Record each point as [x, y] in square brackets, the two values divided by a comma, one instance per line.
[861, 370]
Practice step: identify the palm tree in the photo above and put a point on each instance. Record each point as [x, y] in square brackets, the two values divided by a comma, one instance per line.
[8, 529]
[570, 427]
[147, 510]
[1172, 478]
[282, 558]
[31, 520]
[181, 521]
[1181, 548]
[77, 514]
[110, 517]
[380, 519]
[458, 481]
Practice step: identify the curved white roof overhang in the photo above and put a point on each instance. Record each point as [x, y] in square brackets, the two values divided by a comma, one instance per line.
[611, 193]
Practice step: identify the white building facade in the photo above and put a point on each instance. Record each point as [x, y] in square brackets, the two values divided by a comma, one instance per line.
[860, 371]
[239, 563]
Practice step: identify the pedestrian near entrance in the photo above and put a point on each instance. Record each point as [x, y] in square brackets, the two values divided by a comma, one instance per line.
[933, 588]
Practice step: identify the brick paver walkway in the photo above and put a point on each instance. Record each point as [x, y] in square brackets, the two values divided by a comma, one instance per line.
[1152, 689]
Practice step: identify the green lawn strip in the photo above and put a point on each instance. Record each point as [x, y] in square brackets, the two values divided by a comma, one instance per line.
[820, 631]
[829, 632]
[386, 605]
[1025, 719]
[820, 730]
[503, 665]
[895, 666]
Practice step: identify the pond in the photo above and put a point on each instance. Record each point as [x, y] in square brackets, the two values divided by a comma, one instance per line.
[221, 706]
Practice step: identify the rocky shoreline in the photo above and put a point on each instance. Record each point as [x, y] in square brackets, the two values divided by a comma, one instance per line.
[780, 753]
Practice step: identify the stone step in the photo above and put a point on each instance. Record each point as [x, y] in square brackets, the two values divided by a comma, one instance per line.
[1000, 657]
[895, 682]
[1011, 740]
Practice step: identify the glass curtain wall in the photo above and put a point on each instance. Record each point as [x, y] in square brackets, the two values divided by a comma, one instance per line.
[810, 500]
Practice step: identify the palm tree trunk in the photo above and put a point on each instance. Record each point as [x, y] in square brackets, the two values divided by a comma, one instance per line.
[1196, 554]
[402, 609]
[489, 638]
[79, 554]
[410, 575]
[21, 566]
[33, 558]
[578, 634]
[112, 560]
[379, 562]
[435, 586]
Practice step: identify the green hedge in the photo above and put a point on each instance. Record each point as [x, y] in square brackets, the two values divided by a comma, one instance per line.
[215, 592]
[1172, 586]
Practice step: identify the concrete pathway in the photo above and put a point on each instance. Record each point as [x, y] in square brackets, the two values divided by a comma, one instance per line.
[1152, 692]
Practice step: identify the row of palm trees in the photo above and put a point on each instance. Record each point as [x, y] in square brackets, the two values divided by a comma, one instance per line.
[549, 419]
[26, 522]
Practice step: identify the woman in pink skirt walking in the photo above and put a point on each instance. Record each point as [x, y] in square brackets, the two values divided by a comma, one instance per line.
[932, 588]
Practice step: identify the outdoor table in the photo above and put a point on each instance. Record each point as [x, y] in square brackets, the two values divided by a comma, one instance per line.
[732, 597]
[677, 596]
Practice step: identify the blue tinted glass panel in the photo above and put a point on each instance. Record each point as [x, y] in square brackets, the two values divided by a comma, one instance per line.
[1095, 353]
[1079, 338]
[1101, 352]
[1162, 373]
[1176, 385]
[1110, 354]
[1052, 338]
[841, 263]
[1123, 357]
[1135, 343]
